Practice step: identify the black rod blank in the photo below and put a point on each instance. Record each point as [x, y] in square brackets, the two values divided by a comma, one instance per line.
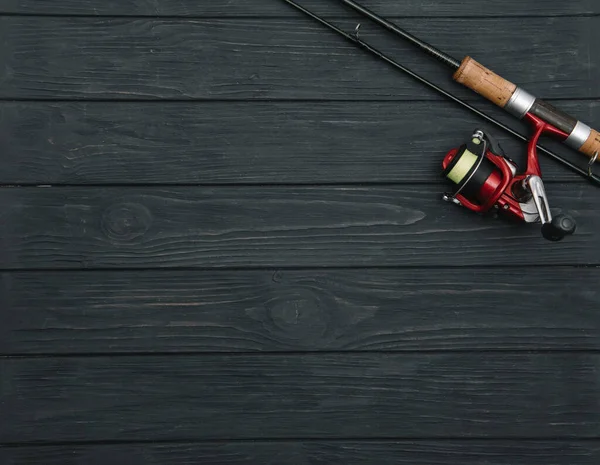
[423, 46]
[354, 38]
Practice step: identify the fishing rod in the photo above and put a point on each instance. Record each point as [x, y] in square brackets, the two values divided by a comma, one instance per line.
[485, 178]
[503, 93]
[355, 39]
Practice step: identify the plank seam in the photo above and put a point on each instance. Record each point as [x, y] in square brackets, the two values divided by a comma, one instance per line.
[199, 100]
[284, 17]
[586, 266]
[299, 268]
[246, 185]
[300, 353]
[303, 268]
[369, 440]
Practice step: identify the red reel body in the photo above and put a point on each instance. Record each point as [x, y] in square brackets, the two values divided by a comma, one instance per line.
[486, 181]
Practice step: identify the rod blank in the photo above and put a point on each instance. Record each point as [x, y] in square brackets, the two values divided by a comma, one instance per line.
[422, 45]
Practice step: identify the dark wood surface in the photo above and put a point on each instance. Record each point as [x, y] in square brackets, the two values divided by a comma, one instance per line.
[222, 240]
[291, 58]
[308, 310]
[405, 226]
[279, 396]
[268, 8]
[245, 142]
[311, 452]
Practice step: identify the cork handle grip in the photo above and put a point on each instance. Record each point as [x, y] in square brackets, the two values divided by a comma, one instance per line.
[592, 145]
[485, 82]
[500, 91]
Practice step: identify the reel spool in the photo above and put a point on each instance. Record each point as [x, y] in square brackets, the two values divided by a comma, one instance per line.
[485, 179]
[476, 177]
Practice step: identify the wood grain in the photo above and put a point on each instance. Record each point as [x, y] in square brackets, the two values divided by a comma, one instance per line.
[314, 453]
[269, 8]
[310, 310]
[300, 396]
[276, 227]
[121, 58]
[248, 142]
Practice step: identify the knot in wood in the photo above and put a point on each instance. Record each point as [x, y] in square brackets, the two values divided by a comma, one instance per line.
[126, 221]
[298, 313]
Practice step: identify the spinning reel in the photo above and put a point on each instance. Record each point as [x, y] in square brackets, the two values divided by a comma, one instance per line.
[486, 180]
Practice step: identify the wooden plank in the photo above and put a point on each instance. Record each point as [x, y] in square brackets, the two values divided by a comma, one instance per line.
[297, 396]
[266, 8]
[247, 142]
[315, 452]
[310, 310]
[277, 227]
[120, 58]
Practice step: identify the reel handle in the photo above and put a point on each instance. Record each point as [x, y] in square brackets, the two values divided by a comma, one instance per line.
[560, 227]
[553, 229]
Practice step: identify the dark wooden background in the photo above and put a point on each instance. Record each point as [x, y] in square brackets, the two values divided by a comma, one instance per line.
[222, 240]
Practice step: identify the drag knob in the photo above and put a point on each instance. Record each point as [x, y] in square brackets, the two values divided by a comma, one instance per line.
[561, 226]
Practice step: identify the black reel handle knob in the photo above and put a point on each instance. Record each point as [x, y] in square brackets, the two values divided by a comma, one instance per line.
[561, 227]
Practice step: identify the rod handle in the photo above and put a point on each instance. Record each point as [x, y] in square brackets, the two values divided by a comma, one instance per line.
[485, 82]
[500, 91]
[592, 146]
